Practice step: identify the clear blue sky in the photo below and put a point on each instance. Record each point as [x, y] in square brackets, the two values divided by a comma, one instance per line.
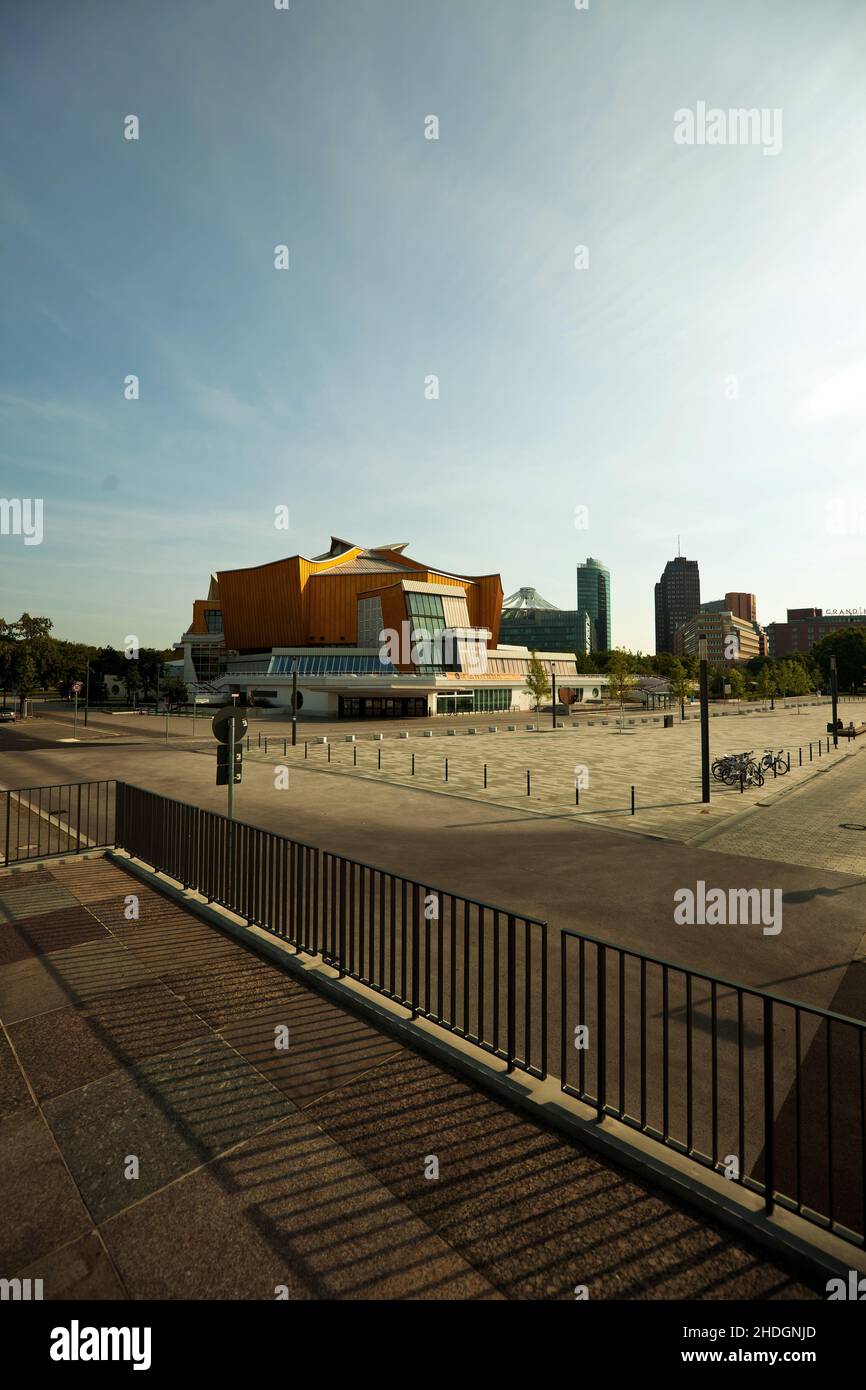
[605, 388]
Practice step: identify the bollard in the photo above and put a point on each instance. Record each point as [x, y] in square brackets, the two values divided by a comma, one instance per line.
[800, 764]
[528, 783]
[741, 784]
[413, 764]
[260, 740]
[577, 793]
[305, 747]
[329, 752]
[446, 769]
[485, 777]
[354, 755]
[632, 800]
[379, 758]
[284, 747]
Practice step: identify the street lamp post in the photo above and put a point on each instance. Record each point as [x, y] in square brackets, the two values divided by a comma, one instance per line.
[705, 717]
[834, 693]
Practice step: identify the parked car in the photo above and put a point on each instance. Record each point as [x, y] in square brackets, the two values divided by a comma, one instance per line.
[7, 716]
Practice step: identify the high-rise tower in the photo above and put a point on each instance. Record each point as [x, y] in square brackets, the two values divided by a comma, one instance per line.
[678, 598]
[593, 595]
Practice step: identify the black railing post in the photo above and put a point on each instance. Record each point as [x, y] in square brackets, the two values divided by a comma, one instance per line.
[769, 1108]
[8, 796]
[416, 947]
[601, 1027]
[512, 992]
[341, 957]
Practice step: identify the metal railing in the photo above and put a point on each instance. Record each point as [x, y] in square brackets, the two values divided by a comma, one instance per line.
[468, 966]
[765, 1090]
[39, 822]
[768, 1091]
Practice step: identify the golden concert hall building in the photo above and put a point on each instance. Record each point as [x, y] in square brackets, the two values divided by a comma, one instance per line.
[369, 632]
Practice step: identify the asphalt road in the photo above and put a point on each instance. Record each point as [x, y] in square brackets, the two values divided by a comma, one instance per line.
[619, 887]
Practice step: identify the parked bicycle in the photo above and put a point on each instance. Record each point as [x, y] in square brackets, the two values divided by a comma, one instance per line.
[738, 769]
[775, 761]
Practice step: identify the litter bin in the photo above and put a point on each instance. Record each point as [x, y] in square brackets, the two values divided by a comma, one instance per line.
[669, 721]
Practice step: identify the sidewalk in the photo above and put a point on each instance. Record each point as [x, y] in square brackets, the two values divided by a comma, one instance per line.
[148, 1047]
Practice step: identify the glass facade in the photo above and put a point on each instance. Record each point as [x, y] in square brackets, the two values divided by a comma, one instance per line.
[491, 699]
[427, 606]
[473, 702]
[545, 629]
[207, 659]
[454, 704]
[336, 664]
[593, 595]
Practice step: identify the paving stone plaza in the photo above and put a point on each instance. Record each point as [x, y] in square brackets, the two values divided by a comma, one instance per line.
[587, 773]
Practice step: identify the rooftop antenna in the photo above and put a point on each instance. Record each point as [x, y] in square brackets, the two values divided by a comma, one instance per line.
[679, 551]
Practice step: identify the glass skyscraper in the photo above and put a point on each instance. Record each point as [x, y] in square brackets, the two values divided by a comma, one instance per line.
[593, 596]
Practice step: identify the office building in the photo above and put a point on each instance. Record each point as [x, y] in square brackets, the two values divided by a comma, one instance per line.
[531, 621]
[805, 627]
[729, 638]
[677, 599]
[593, 597]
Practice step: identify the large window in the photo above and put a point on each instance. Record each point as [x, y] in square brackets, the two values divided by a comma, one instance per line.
[342, 664]
[207, 659]
[486, 700]
[213, 619]
[455, 704]
[427, 606]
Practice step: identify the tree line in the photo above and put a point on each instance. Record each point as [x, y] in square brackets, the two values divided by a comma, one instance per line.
[32, 660]
[761, 676]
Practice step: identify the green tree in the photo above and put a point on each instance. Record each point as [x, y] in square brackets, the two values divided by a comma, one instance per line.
[848, 645]
[537, 682]
[134, 683]
[24, 675]
[174, 689]
[737, 681]
[680, 683]
[767, 683]
[621, 679]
